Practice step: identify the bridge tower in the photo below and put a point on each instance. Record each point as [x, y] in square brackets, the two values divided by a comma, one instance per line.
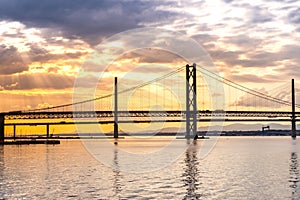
[2, 118]
[116, 126]
[191, 102]
[293, 133]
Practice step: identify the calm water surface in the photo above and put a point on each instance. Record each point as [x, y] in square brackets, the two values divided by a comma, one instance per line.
[237, 168]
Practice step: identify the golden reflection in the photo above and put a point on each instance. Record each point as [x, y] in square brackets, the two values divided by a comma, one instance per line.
[1, 169]
[117, 174]
[294, 175]
[191, 172]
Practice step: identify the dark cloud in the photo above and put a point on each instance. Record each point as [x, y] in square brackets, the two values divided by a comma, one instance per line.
[39, 54]
[261, 58]
[254, 14]
[229, 57]
[36, 81]
[90, 20]
[228, 1]
[205, 38]
[145, 59]
[152, 55]
[293, 16]
[11, 60]
[290, 52]
[258, 14]
[17, 33]
[244, 42]
[257, 58]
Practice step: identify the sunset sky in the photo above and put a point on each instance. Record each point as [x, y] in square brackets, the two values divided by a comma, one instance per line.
[43, 44]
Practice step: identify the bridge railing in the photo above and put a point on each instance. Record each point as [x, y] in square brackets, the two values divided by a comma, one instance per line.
[140, 113]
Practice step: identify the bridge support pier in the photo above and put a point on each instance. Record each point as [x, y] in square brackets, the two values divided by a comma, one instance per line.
[293, 133]
[15, 131]
[47, 130]
[116, 126]
[2, 119]
[191, 102]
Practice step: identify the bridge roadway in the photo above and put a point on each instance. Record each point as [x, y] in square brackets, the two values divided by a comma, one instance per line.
[107, 117]
[156, 116]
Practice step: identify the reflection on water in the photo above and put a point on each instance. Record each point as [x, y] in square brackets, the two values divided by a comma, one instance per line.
[117, 175]
[1, 170]
[294, 175]
[238, 168]
[191, 173]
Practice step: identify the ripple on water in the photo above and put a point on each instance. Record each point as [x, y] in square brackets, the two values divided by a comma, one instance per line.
[238, 168]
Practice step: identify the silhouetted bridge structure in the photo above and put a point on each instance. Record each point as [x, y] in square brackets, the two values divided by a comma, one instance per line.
[202, 115]
[191, 115]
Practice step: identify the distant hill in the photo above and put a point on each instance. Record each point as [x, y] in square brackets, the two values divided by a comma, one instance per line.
[226, 128]
[237, 127]
[250, 127]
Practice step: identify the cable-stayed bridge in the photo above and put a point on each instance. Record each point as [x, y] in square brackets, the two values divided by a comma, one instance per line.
[189, 94]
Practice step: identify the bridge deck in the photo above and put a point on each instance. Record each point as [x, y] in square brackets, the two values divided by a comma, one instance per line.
[152, 114]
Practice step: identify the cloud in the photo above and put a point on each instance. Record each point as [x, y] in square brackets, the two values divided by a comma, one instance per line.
[91, 20]
[152, 55]
[11, 60]
[225, 56]
[39, 54]
[244, 42]
[290, 52]
[228, 1]
[243, 37]
[36, 81]
[205, 39]
[259, 59]
[258, 14]
[249, 100]
[294, 17]
[248, 78]
[25, 101]
[290, 71]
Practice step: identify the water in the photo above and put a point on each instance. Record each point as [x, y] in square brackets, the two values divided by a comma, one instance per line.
[237, 168]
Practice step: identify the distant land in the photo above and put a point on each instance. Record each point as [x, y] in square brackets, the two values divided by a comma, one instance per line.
[251, 127]
[237, 127]
[227, 130]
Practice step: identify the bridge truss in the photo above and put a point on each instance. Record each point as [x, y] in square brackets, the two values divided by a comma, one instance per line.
[191, 116]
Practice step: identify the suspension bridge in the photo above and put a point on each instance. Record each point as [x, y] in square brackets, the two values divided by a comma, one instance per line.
[183, 96]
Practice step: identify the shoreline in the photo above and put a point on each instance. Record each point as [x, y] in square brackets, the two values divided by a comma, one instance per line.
[181, 134]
